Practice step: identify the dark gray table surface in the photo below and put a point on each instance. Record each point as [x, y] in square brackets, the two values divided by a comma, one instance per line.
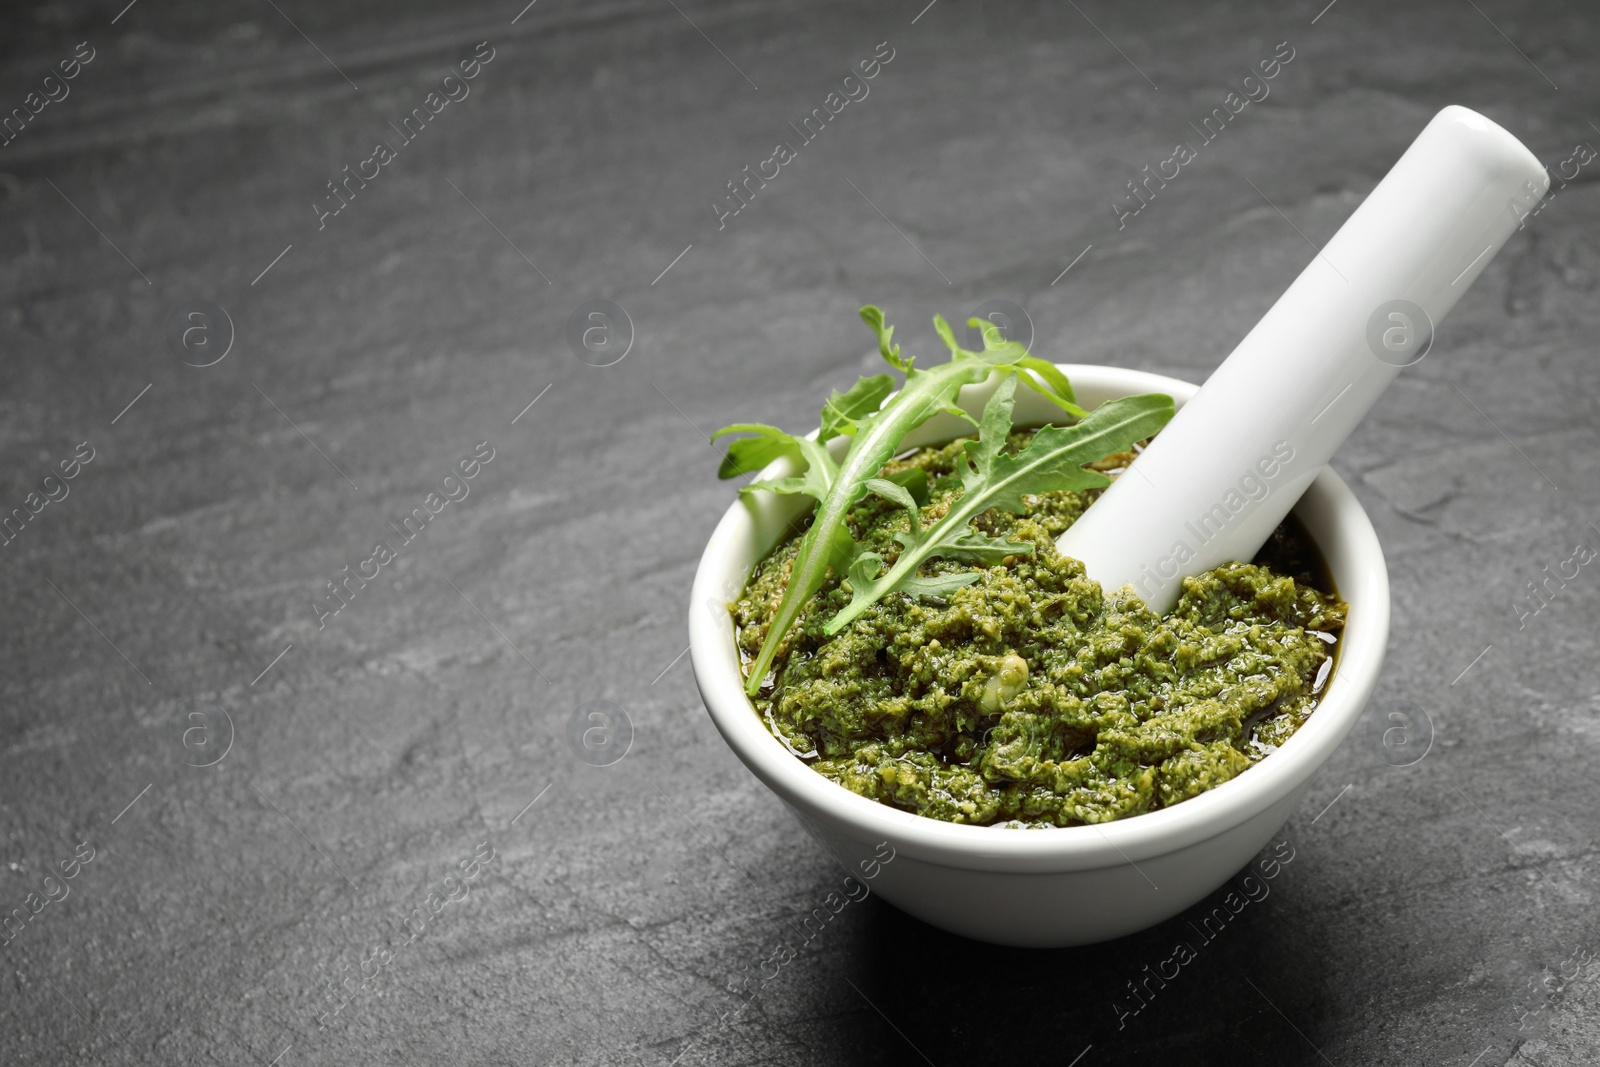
[263, 796]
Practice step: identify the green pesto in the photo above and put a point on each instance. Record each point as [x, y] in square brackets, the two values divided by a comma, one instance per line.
[1032, 697]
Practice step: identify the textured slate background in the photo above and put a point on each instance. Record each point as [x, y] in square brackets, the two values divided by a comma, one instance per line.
[1439, 913]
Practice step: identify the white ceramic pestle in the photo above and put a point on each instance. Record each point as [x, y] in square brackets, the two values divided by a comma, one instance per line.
[1229, 466]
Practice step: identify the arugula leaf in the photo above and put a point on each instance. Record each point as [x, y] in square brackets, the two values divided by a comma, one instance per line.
[753, 453]
[874, 317]
[842, 413]
[1001, 352]
[896, 493]
[996, 349]
[864, 570]
[1052, 461]
[875, 434]
[914, 481]
[815, 481]
[1063, 397]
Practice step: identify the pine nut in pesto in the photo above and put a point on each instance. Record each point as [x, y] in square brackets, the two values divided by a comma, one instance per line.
[1031, 697]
